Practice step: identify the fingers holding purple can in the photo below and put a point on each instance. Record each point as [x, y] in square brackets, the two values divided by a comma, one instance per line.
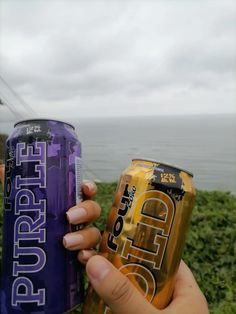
[84, 240]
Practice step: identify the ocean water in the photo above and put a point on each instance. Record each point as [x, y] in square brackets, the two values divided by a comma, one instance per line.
[204, 145]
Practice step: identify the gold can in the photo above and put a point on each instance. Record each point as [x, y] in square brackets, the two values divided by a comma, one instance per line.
[146, 229]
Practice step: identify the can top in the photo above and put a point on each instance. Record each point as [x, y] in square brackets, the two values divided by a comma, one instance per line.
[42, 119]
[164, 163]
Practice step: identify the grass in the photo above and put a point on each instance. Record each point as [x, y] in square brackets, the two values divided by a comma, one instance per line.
[210, 250]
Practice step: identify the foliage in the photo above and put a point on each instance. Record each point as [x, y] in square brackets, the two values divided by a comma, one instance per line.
[3, 138]
[210, 250]
[1, 221]
[211, 247]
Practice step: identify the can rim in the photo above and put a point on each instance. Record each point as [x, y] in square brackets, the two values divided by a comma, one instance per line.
[44, 119]
[164, 163]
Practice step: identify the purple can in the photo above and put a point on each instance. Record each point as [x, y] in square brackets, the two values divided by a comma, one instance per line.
[42, 181]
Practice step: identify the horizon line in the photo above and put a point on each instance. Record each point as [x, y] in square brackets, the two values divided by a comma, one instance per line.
[122, 116]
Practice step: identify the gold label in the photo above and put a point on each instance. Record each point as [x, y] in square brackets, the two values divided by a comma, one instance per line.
[151, 217]
[125, 205]
[146, 230]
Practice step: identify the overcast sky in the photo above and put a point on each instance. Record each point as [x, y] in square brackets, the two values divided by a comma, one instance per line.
[102, 58]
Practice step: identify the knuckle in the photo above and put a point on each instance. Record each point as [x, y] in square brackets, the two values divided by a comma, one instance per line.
[97, 234]
[122, 292]
[88, 203]
[91, 204]
[95, 204]
[96, 209]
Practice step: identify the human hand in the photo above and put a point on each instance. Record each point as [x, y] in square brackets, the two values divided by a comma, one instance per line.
[123, 298]
[85, 212]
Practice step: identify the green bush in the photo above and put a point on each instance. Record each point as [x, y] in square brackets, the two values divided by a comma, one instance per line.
[210, 250]
[211, 247]
[3, 138]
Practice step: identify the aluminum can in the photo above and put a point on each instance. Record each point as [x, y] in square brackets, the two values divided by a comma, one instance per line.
[146, 230]
[42, 181]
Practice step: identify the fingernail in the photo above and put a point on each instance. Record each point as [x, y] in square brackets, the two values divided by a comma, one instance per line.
[76, 214]
[86, 254]
[90, 185]
[72, 241]
[98, 268]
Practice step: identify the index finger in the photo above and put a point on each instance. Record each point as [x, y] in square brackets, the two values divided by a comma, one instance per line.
[89, 189]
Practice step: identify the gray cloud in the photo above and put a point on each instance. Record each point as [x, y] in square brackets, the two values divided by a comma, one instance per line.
[109, 57]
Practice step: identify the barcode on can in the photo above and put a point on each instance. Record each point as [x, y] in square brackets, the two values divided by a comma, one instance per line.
[78, 178]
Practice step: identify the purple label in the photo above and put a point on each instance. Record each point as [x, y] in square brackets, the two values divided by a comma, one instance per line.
[28, 295]
[43, 180]
[29, 225]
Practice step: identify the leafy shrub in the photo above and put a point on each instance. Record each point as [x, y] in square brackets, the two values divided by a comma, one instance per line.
[3, 138]
[210, 250]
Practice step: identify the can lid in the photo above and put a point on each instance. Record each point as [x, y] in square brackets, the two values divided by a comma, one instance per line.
[42, 119]
[164, 163]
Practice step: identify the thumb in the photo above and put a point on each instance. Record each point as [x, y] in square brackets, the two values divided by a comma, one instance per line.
[115, 289]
